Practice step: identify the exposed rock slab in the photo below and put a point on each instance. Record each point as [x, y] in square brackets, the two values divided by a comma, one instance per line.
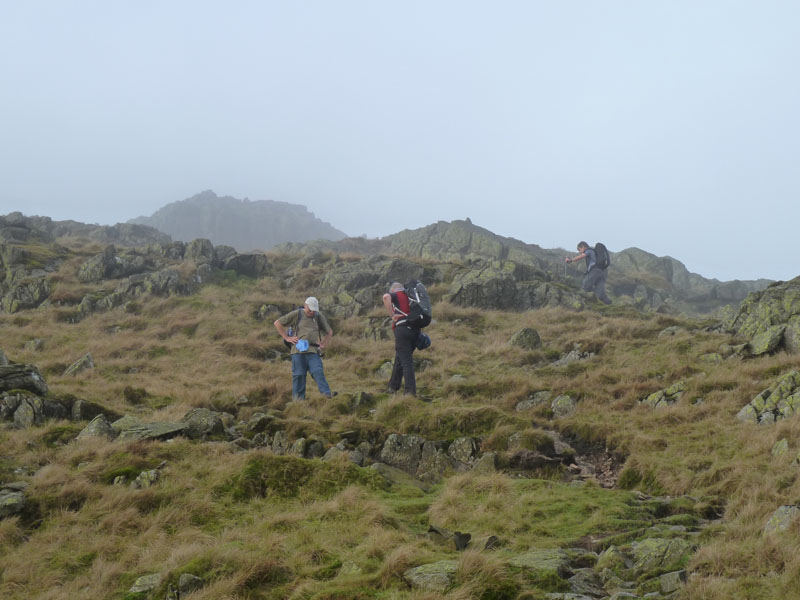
[22, 377]
[433, 577]
[152, 431]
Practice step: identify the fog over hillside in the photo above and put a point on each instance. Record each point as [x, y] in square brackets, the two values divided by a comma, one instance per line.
[242, 224]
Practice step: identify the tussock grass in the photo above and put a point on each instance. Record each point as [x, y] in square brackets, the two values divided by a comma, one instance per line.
[221, 515]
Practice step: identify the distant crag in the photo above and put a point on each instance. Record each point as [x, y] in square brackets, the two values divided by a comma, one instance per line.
[242, 224]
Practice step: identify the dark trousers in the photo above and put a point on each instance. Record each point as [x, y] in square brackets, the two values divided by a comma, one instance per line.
[405, 339]
[595, 281]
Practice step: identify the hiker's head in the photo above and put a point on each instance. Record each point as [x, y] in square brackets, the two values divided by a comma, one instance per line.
[582, 246]
[311, 306]
[396, 287]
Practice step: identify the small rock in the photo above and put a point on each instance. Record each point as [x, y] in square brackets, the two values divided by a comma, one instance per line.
[83, 363]
[203, 423]
[12, 502]
[563, 405]
[780, 448]
[34, 345]
[146, 479]
[486, 463]
[537, 399]
[463, 449]
[189, 583]
[280, 443]
[526, 338]
[299, 448]
[433, 577]
[672, 582]
[781, 519]
[671, 331]
[98, 427]
[145, 584]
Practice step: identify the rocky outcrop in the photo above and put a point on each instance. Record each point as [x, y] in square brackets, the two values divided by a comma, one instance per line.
[352, 288]
[506, 285]
[22, 377]
[776, 310]
[665, 397]
[110, 264]
[24, 292]
[778, 401]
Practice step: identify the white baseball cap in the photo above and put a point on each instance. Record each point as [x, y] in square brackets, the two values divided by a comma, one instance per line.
[312, 303]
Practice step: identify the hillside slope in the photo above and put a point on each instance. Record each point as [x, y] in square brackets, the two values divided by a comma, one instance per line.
[149, 445]
[242, 224]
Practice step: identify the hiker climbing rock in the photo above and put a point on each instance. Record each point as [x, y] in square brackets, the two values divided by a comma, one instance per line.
[597, 263]
[306, 326]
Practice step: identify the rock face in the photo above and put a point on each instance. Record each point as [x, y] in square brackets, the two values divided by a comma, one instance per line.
[22, 377]
[768, 310]
[505, 285]
[243, 224]
[778, 401]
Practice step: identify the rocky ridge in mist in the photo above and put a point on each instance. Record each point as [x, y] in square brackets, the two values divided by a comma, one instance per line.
[242, 224]
[635, 276]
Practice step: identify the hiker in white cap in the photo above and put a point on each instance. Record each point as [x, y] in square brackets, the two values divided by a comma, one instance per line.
[303, 329]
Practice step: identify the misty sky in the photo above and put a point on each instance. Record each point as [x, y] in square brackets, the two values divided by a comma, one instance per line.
[668, 125]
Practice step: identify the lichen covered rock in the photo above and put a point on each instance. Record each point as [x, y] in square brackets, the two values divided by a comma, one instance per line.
[778, 401]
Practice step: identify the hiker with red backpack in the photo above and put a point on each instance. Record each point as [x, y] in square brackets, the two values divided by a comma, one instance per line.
[410, 309]
[597, 263]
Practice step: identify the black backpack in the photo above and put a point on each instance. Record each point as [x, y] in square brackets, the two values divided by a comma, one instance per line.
[419, 303]
[602, 257]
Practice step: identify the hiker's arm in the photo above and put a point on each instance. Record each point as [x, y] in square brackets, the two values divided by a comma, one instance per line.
[323, 343]
[580, 256]
[291, 339]
[387, 302]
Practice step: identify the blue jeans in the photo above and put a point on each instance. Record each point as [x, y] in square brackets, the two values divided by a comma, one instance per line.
[307, 362]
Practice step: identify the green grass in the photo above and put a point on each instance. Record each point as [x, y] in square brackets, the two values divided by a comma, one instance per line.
[256, 525]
